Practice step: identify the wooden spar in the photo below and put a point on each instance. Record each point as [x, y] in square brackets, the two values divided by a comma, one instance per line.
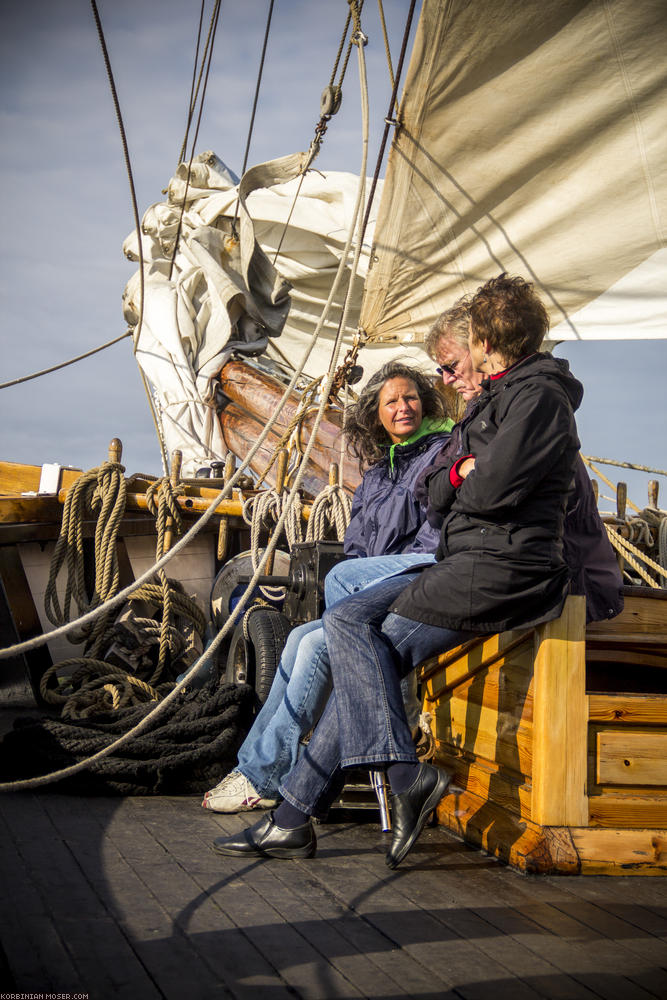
[254, 396]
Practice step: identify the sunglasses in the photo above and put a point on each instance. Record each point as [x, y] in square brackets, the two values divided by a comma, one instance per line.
[451, 369]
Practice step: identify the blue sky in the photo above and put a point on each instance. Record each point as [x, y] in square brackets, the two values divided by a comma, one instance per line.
[66, 207]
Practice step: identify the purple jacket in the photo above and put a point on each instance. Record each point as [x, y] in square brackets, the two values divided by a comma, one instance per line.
[386, 517]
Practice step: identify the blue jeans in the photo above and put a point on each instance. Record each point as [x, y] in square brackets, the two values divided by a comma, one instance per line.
[302, 683]
[364, 721]
[352, 575]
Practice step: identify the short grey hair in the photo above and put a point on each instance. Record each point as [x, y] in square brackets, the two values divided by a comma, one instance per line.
[453, 323]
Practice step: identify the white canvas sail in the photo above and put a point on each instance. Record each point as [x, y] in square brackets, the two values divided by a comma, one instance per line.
[532, 140]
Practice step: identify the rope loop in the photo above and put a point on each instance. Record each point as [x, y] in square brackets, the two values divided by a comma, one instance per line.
[330, 512]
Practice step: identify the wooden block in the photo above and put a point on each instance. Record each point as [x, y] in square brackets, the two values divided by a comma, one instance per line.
[621, 852]
[631, 757]
[487, 781]
[522, 844]
[483, 731]
[643, 613]
[560, 720]
[627, 811]
[647, 709]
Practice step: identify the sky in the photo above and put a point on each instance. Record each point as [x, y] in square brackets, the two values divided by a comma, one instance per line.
[66, 206]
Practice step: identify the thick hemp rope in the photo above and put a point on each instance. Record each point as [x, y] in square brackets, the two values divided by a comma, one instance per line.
[89, 684]
[226, 491]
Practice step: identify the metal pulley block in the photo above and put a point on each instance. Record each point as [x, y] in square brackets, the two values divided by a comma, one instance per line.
[330, 100]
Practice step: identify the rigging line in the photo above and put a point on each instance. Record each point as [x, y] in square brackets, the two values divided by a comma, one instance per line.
[135, 210]
[319, 134]
[254, 109]
[64, 364]
[270, 548]
[386, 42]
[389, 120]
[123, 595]
[621, 465]
[354, 10]
[209, 49]
[193, 92]
[340, 48]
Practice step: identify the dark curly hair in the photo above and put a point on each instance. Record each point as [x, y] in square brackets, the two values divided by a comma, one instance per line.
[509, 314]
[366, 437]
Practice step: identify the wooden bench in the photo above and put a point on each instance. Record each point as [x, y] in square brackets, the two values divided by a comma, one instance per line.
[557, 738]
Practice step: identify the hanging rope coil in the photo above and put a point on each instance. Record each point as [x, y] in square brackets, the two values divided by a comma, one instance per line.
[263, 511]
[330, 510]
[91, 684]
[101, 492]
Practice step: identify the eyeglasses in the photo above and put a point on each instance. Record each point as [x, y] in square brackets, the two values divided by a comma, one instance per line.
[451, 369]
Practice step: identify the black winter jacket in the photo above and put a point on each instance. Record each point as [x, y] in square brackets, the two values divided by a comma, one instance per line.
[500, 558]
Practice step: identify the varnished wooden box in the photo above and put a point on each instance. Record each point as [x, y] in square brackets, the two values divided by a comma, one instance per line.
[557, 738]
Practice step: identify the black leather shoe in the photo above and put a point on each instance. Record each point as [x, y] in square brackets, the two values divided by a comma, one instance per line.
[266, 840]
[410, 810]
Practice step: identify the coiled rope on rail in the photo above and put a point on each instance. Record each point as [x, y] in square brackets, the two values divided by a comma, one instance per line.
[632, 555]
[167, 702]
[90, 684]
[330, 509]
[101, 492]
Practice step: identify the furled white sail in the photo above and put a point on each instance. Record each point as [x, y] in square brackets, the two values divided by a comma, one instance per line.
[224, 294]
[532, 140]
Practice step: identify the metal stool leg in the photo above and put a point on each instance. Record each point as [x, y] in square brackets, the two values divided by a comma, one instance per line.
[379, 783]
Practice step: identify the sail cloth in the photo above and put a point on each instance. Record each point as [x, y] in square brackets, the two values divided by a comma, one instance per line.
[226, 295]
[532, 141]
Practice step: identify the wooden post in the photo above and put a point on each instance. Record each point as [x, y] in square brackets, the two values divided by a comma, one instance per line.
[653, 487]
[115, 452]
[223, 528]
[175, 476]
[560, 720]
[281, 473]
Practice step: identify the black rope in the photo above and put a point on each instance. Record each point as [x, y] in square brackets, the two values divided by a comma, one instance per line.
[126, 153]
[64, 364]
[193, 92]
[254, 110]
[207, 51]
[135, 211]
[388, 120]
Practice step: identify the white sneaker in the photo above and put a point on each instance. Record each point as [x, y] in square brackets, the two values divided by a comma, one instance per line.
[235, 794]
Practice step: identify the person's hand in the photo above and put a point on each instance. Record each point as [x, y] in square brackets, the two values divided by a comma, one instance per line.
[466, 467]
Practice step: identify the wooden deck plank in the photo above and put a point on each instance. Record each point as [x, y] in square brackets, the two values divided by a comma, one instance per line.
[70, 915]
[443, 950]
[125, 897]
[339, 936]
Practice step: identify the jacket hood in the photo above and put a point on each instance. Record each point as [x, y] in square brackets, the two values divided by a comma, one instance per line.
[543, 363]
[429, 425]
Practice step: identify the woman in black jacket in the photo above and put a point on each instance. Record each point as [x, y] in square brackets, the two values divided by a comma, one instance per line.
[500, 565]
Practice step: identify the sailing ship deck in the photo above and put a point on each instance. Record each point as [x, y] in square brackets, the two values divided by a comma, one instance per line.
[123, 897]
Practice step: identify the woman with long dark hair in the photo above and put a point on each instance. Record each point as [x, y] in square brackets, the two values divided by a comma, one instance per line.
[395, 429]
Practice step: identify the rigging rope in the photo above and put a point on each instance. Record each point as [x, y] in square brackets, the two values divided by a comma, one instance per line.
[254, 109]
[166, 702]
[629, 551]
[208, 51]
[135, 212]
[64, 364]
[389, 120]
[193, 92]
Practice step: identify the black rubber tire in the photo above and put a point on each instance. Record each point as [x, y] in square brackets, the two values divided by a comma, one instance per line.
[255, 660]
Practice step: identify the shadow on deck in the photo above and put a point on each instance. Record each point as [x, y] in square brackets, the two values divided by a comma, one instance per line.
[123, 897]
